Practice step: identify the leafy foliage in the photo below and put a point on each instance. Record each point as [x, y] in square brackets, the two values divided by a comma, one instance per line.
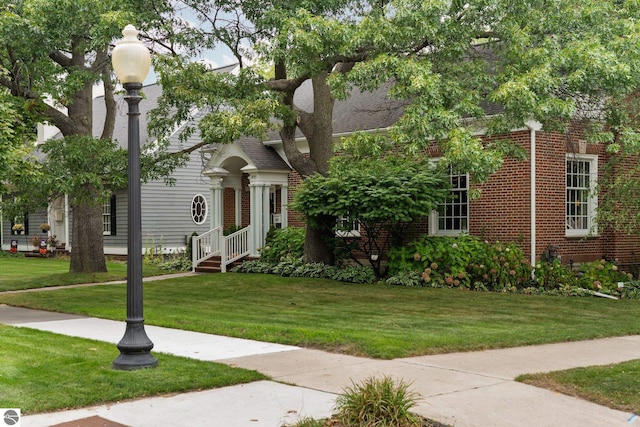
[383, 195]
[290, 267]
[282, 243]
[466, 262]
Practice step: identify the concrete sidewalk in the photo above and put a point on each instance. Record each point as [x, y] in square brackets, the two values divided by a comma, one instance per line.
[461, 389]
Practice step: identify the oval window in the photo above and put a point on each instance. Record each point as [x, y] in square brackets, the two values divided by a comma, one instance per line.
[199, 209]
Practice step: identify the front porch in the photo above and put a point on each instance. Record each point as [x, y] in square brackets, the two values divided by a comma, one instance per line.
[248, 198]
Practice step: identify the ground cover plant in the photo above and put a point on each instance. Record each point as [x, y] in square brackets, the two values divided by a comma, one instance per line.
[615, 386]
[19, 272]
[42, 372]
[377, 320]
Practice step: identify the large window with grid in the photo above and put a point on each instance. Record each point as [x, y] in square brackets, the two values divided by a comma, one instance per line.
[452, 216]
[580, 200]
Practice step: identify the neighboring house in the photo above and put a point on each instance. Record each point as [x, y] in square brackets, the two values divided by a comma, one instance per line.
[544, 203]
[170, 214]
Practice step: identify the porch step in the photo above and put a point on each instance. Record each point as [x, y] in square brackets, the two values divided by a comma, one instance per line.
[213, 264]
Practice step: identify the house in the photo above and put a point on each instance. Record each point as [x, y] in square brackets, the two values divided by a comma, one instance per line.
[543, 203]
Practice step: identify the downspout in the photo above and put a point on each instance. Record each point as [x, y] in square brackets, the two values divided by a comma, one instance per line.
[533, 128]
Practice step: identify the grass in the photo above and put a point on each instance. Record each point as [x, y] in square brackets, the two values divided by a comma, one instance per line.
[615, 386]
[43, 372]
[19, 272]
[368, 320]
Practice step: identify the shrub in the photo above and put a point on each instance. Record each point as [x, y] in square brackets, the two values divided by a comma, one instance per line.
[554, 275]
[283, 243]
[602, 276]
[465, 262]
[377, 402]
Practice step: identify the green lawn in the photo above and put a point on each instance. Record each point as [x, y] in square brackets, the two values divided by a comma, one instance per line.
[42, 372]
[18, 272]
[615, 386]
[372, 320]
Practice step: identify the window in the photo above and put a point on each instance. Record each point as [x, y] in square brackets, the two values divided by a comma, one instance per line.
[199, 209]
[347, 227]
[580, 201]
[109, 216]
[24, 220]
[452, 216]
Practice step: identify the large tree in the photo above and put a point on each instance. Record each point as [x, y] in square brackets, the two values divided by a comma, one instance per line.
[450, 60]
[52, 54]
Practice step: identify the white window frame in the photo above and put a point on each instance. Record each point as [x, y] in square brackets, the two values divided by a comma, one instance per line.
[205, 209]
[591, 204]
[106, 217]
[355, 227]
[434, 217]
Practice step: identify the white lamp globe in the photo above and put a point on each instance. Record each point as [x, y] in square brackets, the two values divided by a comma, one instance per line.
[130, 58]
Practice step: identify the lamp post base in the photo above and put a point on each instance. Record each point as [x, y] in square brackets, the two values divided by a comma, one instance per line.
[135, 348]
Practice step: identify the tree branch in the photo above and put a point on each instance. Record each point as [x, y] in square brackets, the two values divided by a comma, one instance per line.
[60, 58]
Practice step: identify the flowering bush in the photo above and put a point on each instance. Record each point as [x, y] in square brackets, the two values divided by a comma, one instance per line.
[18, 227]
[45, 227]
[465, 262]
[602, 276]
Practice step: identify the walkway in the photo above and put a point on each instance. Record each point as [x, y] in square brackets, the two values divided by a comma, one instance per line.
[461, 389]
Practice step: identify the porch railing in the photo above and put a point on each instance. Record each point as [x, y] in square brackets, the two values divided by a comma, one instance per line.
[205, 245]
[235, 246]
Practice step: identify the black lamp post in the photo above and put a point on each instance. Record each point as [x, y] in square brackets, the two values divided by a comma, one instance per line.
[131, 61]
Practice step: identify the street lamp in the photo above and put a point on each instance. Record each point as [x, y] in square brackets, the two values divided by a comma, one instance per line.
[131, 61]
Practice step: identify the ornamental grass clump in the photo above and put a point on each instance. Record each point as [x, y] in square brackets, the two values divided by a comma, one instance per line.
[377, 402]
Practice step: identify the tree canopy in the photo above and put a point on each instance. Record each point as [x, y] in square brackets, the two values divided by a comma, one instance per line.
[52, 54]
[460, 66]
[383, 195]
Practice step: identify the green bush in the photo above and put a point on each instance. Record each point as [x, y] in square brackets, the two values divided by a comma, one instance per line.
[469, 263]
[464, 262]
[281, 243]
[602, 276]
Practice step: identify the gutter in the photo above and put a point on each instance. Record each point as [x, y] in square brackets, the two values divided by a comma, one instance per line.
[533, 127]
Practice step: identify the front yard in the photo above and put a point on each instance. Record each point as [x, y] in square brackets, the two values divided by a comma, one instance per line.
[378, 321]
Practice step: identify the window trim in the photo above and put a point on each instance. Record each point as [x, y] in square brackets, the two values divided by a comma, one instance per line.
[354, 232]
[592, 202]
[205, 205]
[111, 216]
[434, 216]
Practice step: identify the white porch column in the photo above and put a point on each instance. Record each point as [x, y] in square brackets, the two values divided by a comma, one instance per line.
[284, 206]
[255, 196]
[217, 199]
[259, 194]
[238, 203]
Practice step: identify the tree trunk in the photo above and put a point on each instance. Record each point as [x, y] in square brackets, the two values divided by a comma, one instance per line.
[317, 242]
[87, 253]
